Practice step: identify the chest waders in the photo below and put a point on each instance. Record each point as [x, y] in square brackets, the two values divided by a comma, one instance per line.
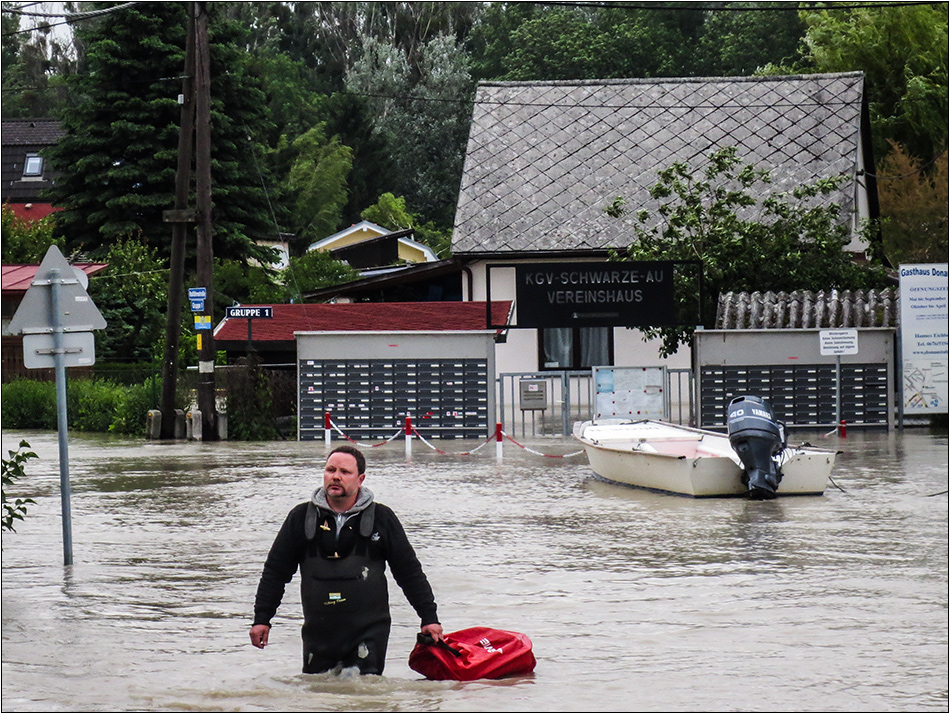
[344, 595]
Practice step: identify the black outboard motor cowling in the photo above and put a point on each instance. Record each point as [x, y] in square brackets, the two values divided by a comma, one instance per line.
[757, 437]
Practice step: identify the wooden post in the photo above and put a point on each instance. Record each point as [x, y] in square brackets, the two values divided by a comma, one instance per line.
[179, 234]
[206, 388]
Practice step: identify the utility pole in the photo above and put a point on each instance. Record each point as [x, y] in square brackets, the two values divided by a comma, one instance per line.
[206, 353]
[180, 218]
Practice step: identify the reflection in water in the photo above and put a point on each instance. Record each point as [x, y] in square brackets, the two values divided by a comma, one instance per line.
[634, 600]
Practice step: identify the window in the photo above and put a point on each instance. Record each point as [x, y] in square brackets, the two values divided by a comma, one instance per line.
[33, 166]
[575, 347]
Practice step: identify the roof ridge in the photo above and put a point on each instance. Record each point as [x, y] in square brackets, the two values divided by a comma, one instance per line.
[669, 80]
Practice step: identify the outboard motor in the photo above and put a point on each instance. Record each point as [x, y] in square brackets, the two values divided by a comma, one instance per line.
[757, 437]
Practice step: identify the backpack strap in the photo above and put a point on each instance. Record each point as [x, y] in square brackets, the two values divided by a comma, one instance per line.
[367, 519]
[310, 522]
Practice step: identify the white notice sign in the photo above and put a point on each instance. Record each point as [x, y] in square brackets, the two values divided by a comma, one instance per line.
[839, 342]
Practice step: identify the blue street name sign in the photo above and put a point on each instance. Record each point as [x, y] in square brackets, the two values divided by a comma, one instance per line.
[197, 293]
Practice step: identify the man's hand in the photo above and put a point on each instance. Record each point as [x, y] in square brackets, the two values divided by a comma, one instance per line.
[434, 631]
[259, 635]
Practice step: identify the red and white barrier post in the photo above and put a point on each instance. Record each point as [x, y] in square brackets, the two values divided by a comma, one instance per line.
[498, 441]
[327, 426]
[408, 437]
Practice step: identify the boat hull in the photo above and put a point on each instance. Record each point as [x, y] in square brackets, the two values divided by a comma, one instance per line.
[690, 462]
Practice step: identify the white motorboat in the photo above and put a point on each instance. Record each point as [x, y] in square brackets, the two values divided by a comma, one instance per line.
[695, 462]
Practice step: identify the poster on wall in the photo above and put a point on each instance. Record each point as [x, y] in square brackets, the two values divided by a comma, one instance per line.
[924, 337]
[630, 392]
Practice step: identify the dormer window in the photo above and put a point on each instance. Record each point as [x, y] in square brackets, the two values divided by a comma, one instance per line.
[33, 166]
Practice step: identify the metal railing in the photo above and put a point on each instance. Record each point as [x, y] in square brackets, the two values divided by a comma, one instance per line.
[548, 403]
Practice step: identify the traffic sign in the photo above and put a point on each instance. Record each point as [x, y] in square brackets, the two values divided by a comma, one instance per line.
[239, 311]
[78, 349]
[75, 310]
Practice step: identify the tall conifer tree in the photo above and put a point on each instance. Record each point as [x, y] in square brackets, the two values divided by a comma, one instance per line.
[119, 154]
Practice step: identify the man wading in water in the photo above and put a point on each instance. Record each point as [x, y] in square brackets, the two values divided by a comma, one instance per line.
[342, 539]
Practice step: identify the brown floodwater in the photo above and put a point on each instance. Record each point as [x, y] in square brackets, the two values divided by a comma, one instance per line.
[634, 601]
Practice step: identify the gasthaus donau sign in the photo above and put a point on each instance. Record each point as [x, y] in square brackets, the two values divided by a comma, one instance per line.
[633, 294]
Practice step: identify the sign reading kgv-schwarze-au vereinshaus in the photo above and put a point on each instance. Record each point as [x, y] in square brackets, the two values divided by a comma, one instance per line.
[633, 294]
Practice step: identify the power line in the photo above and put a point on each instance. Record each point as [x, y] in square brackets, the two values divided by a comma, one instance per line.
[69, 17]
[741, 7]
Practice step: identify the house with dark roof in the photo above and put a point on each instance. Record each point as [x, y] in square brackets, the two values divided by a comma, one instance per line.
[545, 159]
[26, 174]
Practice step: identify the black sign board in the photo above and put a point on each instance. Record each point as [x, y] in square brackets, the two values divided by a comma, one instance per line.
[250, 313]
[632, 294]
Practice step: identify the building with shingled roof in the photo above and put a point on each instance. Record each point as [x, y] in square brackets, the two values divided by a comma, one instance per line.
[545, 159]
[25, 172]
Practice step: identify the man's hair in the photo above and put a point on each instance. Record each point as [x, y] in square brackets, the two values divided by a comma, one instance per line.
[355, 453]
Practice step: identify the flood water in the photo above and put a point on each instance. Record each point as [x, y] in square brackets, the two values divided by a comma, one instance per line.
[634, 601]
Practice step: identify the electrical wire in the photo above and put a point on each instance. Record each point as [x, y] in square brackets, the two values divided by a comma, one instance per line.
[69, 18]
[741, 7]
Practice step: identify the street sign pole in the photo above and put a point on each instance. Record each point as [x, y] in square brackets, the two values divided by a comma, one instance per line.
[62, 423]
[56, 318]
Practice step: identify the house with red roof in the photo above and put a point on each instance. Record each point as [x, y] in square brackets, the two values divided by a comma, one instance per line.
[370, 366]
[16, 281]
[274, 339]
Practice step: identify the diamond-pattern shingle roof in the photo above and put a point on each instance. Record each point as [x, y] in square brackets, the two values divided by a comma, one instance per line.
[545, 158]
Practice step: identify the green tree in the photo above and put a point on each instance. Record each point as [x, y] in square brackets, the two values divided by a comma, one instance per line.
[315, 269]
[131, 295]
[391, 212]
[591, 42]
[914, 203]
[35, 63]
[119, 156]
[236, 282]
[421, 111]
[903, 52]
[317, 183]
[738, 44]
[746, 238]
[27, 241]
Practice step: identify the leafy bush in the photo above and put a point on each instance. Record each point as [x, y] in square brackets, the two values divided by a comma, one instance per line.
[131, 414]
[28, 404]
[13, 470]
[92, 403]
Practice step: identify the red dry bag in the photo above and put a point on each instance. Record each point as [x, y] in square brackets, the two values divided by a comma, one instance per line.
[475, 653]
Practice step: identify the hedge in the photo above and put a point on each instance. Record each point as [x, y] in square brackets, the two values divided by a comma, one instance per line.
[91, 405]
